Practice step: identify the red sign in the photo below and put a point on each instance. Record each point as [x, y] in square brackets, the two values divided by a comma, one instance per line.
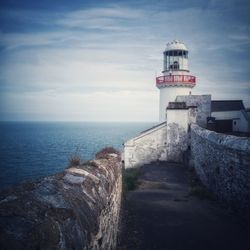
[175, 79]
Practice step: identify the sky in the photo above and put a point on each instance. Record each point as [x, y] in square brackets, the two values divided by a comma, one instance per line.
[97, 60]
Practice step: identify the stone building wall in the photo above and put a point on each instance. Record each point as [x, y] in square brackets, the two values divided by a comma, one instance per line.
[167, 141]
[177, 134]
[149, 146]
[203, 104]
[223, 164]
[75, 209]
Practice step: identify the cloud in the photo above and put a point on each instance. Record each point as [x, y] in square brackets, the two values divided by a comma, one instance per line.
[95, 106]
[100, 18]
[18, 40]
[72, 70]
[111, 54]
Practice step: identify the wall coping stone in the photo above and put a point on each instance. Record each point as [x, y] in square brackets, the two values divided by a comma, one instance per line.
[130, 142]
[229, 141]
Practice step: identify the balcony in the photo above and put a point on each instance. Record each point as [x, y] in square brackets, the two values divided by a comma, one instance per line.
[176, 79]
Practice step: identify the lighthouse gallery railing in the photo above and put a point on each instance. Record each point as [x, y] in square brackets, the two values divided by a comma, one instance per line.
[176, 78]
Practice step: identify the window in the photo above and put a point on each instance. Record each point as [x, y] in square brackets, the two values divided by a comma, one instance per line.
[176, 65]
[185, 54]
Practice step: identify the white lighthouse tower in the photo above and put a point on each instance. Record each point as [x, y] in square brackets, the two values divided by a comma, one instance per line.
[176, 79]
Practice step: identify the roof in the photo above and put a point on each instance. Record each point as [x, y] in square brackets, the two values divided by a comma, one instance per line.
[155, 126]
[177, 105]
[246, 115]
[228, 105]
[176, 45]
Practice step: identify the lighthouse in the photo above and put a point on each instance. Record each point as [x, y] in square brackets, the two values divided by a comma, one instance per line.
[176, 78]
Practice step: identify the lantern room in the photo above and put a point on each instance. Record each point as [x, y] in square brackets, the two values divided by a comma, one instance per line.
[175, 57]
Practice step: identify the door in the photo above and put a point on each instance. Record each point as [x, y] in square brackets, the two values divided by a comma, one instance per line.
[224, 126]
[236, 124]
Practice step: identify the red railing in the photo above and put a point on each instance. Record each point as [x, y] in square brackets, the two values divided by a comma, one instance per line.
[175, 79]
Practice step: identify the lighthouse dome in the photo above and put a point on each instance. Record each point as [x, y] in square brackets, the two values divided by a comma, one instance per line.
[176, 45]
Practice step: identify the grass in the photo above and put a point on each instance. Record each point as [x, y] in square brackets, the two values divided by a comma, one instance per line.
[130, 178]
[197, 188]
[201, 192]
[75, 160]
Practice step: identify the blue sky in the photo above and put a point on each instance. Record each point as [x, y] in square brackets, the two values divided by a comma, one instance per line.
[97, 60]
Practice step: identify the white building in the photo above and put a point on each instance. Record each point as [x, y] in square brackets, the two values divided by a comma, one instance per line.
[230, 116]
[176, 79]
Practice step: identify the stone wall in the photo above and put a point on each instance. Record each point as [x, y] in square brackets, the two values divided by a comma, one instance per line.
[149, 146]
[203, 104]
[76, 209]
[223, 164]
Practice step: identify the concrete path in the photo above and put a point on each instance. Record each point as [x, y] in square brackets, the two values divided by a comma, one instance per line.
[162, 214]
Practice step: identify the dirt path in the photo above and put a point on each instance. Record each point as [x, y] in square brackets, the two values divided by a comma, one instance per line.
[161, 214]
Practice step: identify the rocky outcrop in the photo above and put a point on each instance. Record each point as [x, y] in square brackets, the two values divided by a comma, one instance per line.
[76, 209]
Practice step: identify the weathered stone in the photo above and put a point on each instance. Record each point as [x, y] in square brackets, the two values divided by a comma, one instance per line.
[223, 164]
[149, 146]
[165, 142]
[203, 104]
[72, 179]
[76, 209]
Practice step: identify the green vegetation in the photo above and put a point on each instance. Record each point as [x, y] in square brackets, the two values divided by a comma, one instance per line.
[197, 188]
[201, 192]
[130, 178]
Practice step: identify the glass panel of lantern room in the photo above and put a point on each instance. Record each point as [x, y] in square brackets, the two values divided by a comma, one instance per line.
[179, 58]
[165, 66]
[171, 60]
[167, 58]
[168, 61]
[164, 61]
[181, 64]
[185, 54]
[175, 55]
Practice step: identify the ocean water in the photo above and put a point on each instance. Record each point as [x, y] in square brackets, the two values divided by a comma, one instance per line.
[29, 150]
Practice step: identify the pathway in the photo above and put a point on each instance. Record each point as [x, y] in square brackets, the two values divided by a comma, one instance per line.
[161, 214]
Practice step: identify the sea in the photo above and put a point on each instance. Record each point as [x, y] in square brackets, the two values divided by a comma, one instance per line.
[30, 150]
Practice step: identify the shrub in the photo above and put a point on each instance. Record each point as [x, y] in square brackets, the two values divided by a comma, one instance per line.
[197, 188]
[75, 160]
[105, 151]
[130, 178]
[201, 192]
